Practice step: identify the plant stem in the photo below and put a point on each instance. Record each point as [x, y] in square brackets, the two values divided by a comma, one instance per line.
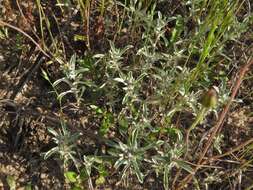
[198, 119]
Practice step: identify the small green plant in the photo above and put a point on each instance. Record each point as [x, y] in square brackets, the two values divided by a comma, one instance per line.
[112, 63]
[131, 87]
[11, 182]
[88, 164]
[3, 33]
[65, 143]
[106, 124]
[74, 79]
[130, 156]
[168, 159]
[75, 180]
[169, 155]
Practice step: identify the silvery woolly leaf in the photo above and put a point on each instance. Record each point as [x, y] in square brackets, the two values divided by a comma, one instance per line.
[185, 166]
[65, 80]
[137, 171]
[120, 80]
[61, 95]
[52, 131]
[51, 152]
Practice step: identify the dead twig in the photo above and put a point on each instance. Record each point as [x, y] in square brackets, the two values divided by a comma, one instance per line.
[2, 23]
[231, 151]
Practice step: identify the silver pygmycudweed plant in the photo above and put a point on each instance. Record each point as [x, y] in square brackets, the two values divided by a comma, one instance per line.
[131, 156]
[65, 142]
[74, 79]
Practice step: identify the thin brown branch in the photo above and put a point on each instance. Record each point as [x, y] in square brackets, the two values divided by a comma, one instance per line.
[231, 151]
[2, 23]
